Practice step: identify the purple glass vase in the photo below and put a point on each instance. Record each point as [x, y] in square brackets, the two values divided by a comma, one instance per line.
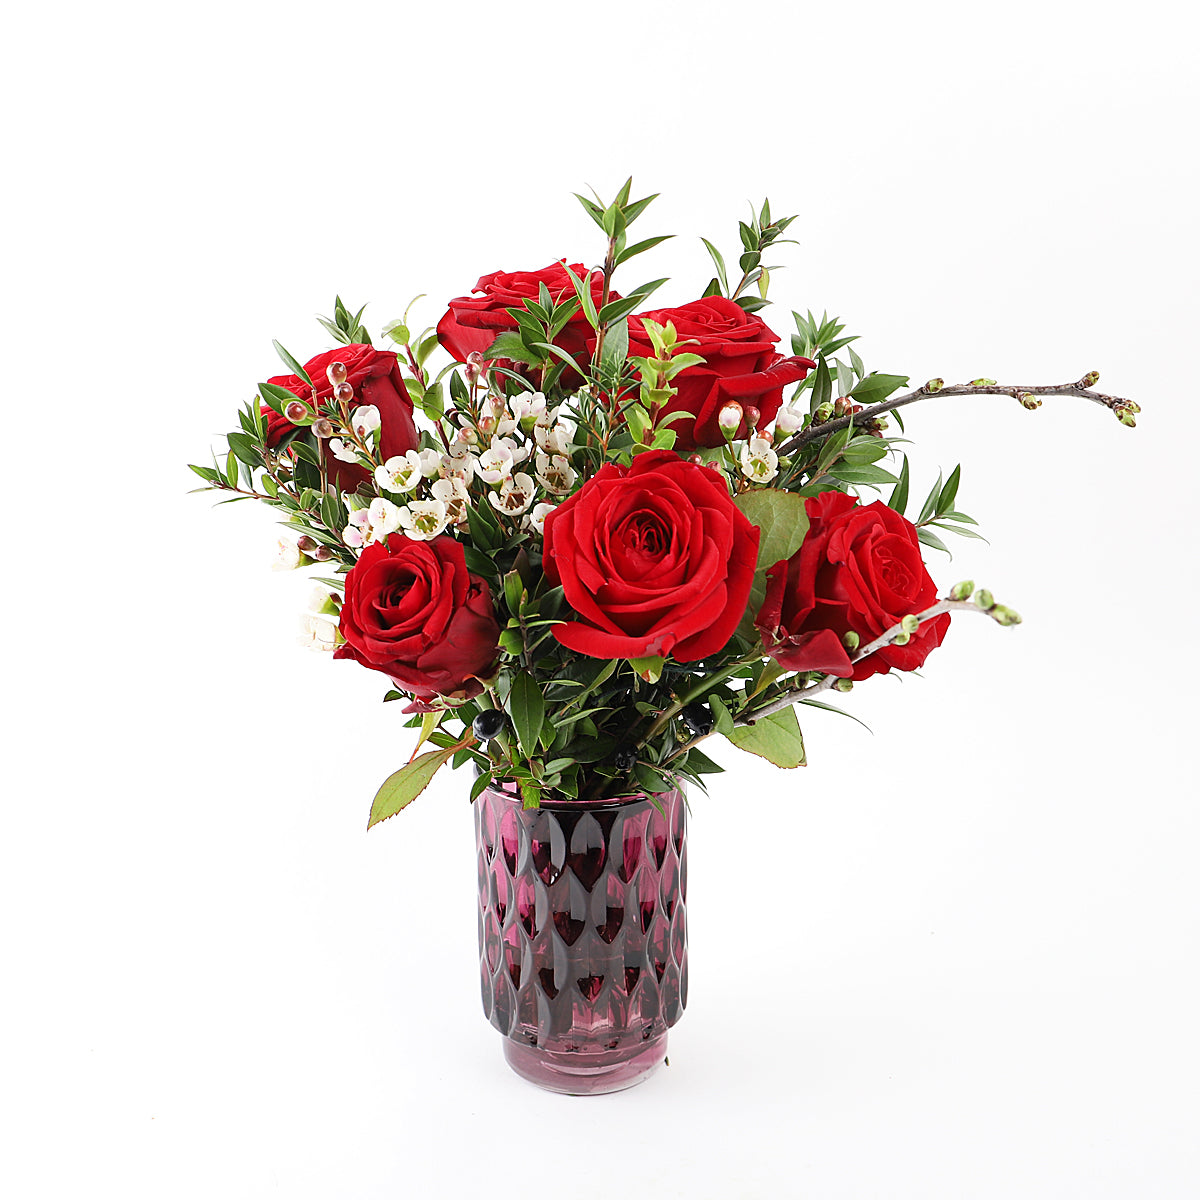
[582, 935]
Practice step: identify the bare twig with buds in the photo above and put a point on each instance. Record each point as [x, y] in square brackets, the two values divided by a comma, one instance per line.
[959, 600]
[1124, 410]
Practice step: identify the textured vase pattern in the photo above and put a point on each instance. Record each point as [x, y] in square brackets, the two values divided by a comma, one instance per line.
[582, 934]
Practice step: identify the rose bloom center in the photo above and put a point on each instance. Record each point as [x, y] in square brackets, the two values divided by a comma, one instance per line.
[644, 537]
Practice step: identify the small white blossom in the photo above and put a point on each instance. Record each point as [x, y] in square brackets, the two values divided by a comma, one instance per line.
[537, 518]
[287, 555]
[318, 633]
[555, 473]
[364, 420]
[452, 492]
[497, 462]
[528, 406]
[423, 520]
[401, 472]
[356, 532]
[759, 462]
[343, 451]
[515, 495]
[554, 435]
[384, 518]
[431, 463]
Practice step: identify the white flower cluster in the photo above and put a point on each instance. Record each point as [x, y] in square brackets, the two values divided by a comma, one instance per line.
[513, 432]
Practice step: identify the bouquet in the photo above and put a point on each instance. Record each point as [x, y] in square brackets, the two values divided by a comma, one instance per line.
[603, 532]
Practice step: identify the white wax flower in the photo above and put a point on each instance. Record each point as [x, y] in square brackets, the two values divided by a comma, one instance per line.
[537, 518]
[497, 462]
[555, 473]
[318, 633]
[364, 420]
[343, 451]
[528, 406]
[515, 495]
[452, 492]
[431, 463]
[553, 434]
[356, 532]
[423, 520]
[287, 555]
[401, 472]
[759, 462]
[384, 518]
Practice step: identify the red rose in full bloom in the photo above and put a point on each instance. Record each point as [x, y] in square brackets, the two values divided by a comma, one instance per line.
[740, 363]
[859, 569]
[654, 558]
[472, 322]
[375, 377]
[414, 612]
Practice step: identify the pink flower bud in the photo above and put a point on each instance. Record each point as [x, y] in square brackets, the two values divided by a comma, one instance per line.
[753, 416]
[295, 411]
[305, 544]
[336, 373]
[323, 427]
[343, 392]
[730, 418]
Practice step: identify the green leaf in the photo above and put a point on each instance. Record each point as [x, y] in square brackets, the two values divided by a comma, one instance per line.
[481, 782]
[719, 263]
[509, 345]
[776, 738]
[899, 497]
[866, 473]
[927, 509]
[292, 364]
[782, 522]
[528, 710]
[640, 247]
[402, 787]
[700, 764]
[877, 387]
[929, 538]
[722, 721]
[945, 501]
[650, 669]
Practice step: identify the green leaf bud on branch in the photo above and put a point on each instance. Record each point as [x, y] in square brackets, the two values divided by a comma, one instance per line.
[985, 600]
[1029, 400]
[963, 590]
[1090, 379]
[902, 639]
[1005, 616]
[911, 623]
[982, 382]
[934, 385]
[843, 685]
[851, 640]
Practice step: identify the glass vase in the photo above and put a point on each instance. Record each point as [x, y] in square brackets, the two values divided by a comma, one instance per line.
[582, 935]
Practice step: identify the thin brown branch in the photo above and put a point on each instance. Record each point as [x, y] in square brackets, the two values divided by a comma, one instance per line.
[1081, 389]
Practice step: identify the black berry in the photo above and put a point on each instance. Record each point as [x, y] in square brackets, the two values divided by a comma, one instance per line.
[488, 724]
[698, 719]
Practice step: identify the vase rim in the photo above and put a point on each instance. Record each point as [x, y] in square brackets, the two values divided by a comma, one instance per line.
[508, 789]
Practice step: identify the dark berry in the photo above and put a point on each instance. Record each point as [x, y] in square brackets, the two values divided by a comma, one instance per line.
[698, 719]
[624, 757]
[488, 724]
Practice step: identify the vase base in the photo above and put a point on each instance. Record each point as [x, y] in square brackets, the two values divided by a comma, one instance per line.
[586, 1074]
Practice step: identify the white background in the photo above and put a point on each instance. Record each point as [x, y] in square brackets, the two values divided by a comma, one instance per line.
[954, 958]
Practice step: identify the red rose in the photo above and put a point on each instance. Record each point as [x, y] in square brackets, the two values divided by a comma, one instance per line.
[472, 322]
[654, 558]
[375, 377]
[740, 363]
[414, 612]
[859, 570]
